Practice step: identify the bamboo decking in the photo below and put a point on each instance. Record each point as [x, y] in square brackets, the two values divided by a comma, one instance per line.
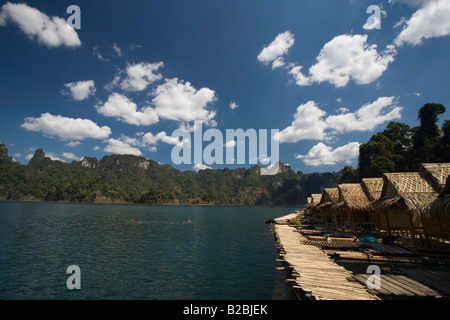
[315, 275]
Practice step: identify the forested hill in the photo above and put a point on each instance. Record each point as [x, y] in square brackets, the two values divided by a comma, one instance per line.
[128, 178]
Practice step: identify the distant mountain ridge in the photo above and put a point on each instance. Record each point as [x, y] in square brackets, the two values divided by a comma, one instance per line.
[134, 179]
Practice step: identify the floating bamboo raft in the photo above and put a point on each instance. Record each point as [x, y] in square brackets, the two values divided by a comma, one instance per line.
[314, 274]
[399, 286]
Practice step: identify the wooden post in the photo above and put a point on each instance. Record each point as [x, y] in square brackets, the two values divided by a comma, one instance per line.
[411, 230]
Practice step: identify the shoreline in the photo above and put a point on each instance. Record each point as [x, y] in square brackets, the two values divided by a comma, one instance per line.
[160, 204]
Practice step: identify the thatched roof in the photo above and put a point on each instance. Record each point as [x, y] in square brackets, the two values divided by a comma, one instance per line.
[329, 197]
[413, 191]
[352, 196]
[438, 172]
[441, 206]
[372, 187]
[316, 197]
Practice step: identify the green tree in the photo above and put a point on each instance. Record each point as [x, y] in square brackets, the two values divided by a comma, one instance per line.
[349, 175]
[426, 135]
[378, 146]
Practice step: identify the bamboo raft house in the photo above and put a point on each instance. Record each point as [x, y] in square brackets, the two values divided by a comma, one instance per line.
[436, 220]
[313, 206]
[351, 209]
[329, 197]
[403, 200]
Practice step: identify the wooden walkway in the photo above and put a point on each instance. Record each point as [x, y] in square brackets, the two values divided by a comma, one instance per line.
[399, 286]
[314, 274]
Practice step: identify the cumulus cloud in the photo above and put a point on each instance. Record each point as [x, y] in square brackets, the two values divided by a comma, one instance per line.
[367, 117]
[150, 139]
[308, 124]
[66, 128]
[299, 77]
[180, 101]
[345, 58]
[197, 167]
[140, 75]
[81, 90]
[71, 156]
[322, 154]
[52, 32]
[125, 110]
[275, 50]
[119, 147]
[430, 21]
[311, 123]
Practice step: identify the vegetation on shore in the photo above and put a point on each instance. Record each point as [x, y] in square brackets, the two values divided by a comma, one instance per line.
[133, 179]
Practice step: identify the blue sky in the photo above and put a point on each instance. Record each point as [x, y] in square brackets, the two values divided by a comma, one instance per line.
[318, 71]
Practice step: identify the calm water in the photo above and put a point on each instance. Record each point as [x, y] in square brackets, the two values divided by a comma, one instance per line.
[224, 253]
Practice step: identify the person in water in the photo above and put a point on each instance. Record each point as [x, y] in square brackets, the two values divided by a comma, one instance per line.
[189, 221]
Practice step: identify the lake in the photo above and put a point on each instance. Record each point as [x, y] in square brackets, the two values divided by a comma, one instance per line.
[223, 253]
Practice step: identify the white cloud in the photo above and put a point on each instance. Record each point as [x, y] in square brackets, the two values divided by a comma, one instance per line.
[96, 148]
[348, 57]
[230, 144]
[81, 90]
[125, 110]
[321, 154]
[73, 144]
[52, 32]
[367, 117]
[299, 77]
[66, 128]
[430, 21]
[278, 63]
[277, 48]
[117, 49]
[180, 101]
[29, 156]
[233, 105]
[120, 147]
[308, 124]
[96, 52]
[197, 167]
[71, 156]
[150, 139]
[311, 123]
[140, 75]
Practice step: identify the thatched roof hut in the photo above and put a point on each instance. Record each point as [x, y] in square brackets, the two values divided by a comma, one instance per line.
[372, 187]
[352, 196]
[404, 199]
[412, 191]
[352, 205]
[329, 197]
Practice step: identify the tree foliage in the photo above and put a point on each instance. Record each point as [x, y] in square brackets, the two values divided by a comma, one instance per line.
[401, 148]
[128, 178]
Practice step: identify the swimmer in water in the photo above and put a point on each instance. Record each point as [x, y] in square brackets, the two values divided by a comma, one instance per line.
[132, 221]
[189, 221]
